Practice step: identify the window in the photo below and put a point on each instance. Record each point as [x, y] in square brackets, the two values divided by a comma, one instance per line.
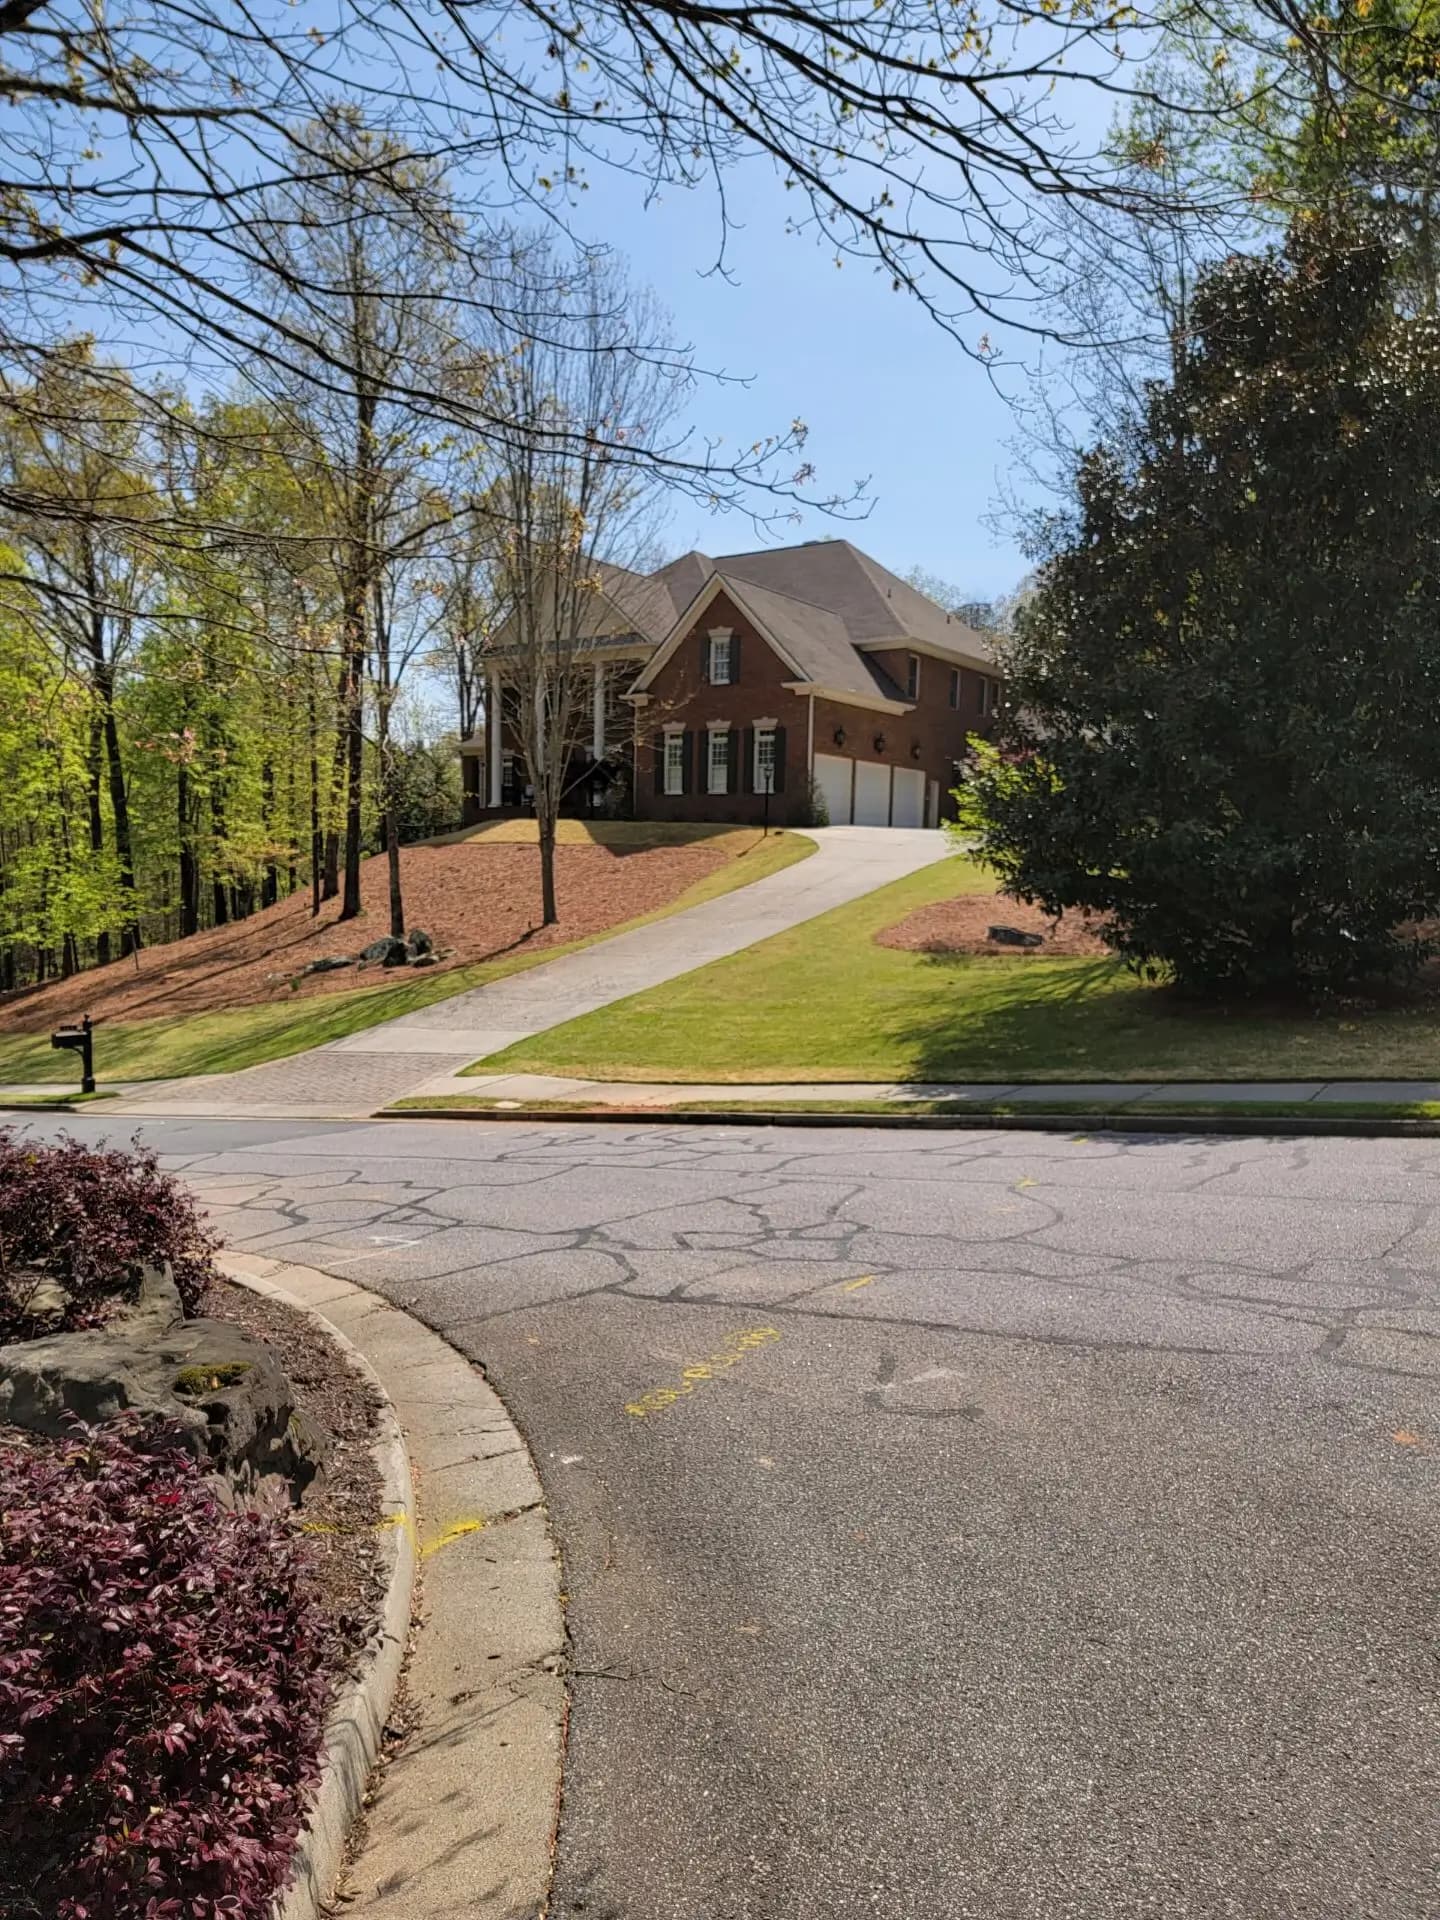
[719, 762]
[765, 760]
[955, 688]
[912, 677]
[720, 651]
[989, 696]
[674, 763]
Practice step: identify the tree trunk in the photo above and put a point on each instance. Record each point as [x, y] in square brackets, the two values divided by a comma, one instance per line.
[130, 941]
[356, 604]
[220, 899]
[270, 882]
[317, 839]
[94, 760]
[545, 823]
[189, 861]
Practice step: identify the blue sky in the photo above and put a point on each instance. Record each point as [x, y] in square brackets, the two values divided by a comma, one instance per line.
[886, 394]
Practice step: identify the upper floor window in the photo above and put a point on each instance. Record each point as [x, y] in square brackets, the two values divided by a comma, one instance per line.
[989, 696]
[719, 763]
[955, 688]
[674, 763]
[722, 653]
[912, 677]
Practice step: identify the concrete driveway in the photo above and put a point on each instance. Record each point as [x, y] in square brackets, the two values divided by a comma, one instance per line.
[419, 1051]
[957, 1526]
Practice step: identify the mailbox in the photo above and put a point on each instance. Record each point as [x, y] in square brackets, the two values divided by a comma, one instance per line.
[79, 1040]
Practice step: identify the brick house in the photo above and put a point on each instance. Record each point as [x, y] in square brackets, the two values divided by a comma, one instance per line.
[784, 674]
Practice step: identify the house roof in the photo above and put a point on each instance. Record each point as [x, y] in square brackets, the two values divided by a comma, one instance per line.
[815, 639]
[824, 604]
[875, 607]
[654, 601]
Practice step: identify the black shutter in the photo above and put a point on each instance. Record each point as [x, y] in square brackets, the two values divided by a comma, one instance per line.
[777, 782]
[732, 760]
[747, 761]
[687, 763]
[734, 658]
[660, 763]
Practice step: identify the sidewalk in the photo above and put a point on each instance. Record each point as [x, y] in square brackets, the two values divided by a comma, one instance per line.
[530, 1089]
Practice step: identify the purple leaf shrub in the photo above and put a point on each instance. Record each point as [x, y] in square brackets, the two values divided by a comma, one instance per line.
[162, 1687]
[91, 1217]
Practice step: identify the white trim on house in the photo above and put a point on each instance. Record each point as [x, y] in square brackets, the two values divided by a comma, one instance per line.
[977, 662]
[872, 702]
[682, 628]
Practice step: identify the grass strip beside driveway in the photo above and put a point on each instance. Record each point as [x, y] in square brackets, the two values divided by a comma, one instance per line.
[823, 1002]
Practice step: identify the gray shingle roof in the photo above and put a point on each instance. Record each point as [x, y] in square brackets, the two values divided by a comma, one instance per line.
[873, 605]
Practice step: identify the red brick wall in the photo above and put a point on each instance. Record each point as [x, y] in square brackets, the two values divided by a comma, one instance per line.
[680, 692]
[934, 726]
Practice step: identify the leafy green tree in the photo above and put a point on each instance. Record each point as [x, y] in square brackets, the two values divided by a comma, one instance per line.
[1221, 733]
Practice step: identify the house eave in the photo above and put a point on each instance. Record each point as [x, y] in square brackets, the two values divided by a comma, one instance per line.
[976, 662]
[872, 702]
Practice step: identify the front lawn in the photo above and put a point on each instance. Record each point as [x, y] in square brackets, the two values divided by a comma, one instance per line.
[824, 1002]
[235, 1037]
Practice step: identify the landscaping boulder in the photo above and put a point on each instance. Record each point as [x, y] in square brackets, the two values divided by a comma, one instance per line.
[389, 951]
[328, 963]
[224, 1389]
[1013, 937]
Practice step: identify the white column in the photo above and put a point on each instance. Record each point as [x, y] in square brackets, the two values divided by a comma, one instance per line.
[597, 740]
[493, 732]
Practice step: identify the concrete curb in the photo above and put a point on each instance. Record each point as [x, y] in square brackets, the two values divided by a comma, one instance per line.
[356, 1725]
[462, 1816]
[1158, 1121]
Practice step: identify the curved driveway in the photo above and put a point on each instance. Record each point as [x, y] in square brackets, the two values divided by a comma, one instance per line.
[997, 1525]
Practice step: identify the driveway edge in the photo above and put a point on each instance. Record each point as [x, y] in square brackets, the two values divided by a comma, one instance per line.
[462, 1814]
[1156, 1121]
[356, 1723]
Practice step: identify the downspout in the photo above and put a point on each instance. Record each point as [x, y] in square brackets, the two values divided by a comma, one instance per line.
[810, 743]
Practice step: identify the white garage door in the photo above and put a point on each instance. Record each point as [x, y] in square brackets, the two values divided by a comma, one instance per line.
[832, 776]
[872, 795]
[909, 807]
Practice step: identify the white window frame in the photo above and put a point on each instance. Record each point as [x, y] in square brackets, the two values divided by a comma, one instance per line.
[674, 762]
[957, 687]
[763, 734]
[717, 768]
[721, 637]
[989, 696]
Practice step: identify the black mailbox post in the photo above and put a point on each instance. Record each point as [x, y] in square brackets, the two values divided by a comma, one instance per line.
[79, 1040]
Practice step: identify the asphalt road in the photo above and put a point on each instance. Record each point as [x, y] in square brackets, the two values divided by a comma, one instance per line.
[957, 1524]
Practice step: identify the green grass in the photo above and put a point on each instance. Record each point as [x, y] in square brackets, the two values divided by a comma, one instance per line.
[247, 1036]
[824, 1002]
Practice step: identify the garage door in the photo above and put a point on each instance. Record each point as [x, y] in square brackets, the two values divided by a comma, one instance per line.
[832, 776]
[909, 806]
[872, 795]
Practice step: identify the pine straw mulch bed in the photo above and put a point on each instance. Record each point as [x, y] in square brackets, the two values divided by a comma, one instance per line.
[959, 926]
[341, 1512]
[478, 901]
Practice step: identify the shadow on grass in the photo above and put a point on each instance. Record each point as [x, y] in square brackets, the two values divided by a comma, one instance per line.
[1023, 1019]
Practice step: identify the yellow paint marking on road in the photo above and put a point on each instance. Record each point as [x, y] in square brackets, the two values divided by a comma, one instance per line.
[699, 1371]
[1025, 1181]
[854, 1286]
[447, 1536]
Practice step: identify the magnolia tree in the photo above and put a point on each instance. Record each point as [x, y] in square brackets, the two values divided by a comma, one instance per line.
[1221, 695]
